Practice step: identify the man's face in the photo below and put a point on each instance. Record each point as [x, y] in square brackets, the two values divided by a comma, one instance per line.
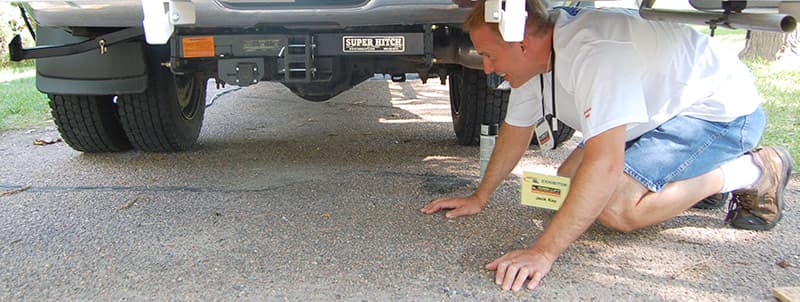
[516, 62]
[504, 58]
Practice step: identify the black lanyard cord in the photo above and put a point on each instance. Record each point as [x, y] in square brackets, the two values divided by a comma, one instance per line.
[553, 120]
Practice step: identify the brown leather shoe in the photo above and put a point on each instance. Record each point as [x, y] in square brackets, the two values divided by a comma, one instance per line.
[760, 207]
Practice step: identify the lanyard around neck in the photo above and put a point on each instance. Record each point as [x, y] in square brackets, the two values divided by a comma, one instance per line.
[553, 120]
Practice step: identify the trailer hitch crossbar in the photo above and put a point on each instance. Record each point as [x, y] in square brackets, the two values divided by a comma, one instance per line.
[18, 53]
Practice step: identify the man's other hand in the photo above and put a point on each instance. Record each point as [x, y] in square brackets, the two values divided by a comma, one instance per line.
[514, 268]
[458, 206]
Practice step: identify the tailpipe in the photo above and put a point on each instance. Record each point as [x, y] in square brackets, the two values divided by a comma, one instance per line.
[459, 51]
[749, 21]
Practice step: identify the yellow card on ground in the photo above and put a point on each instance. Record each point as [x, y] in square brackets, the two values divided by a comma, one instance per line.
[544, 191]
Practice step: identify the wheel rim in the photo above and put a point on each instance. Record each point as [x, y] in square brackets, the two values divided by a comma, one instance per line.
[185, 87]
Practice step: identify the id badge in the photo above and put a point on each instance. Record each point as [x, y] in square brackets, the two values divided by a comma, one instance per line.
[544, 135]
[544, 191]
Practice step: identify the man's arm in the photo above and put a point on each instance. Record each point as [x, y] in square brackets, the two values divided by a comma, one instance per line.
[512, 142]
[594, 183]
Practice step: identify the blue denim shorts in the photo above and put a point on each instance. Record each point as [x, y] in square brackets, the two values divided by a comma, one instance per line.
[685, 147]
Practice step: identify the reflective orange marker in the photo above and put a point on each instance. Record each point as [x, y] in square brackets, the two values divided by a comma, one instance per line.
[198, 47]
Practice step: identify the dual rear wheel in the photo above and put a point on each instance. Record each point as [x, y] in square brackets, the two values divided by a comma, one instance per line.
[166, 117]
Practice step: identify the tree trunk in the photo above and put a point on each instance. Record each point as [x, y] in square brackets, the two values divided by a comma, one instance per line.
[771, 46]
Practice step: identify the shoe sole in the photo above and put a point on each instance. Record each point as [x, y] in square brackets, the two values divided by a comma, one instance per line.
[785, 157]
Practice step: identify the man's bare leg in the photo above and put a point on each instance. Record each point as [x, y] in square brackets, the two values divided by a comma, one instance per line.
[633, 206]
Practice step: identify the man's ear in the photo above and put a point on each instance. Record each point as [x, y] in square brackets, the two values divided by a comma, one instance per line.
[525, 44]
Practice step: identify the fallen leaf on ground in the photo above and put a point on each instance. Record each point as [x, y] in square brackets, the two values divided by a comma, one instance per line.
[699, 266]
[132, 202]
[46, 141]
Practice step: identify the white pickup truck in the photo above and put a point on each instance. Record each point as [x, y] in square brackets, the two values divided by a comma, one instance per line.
[124, 74]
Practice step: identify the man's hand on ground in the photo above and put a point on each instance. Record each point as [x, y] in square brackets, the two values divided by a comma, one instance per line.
[459, 206]
[514, 268]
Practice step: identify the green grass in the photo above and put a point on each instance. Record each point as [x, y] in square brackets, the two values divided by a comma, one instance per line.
[779, 86]
[21, 105]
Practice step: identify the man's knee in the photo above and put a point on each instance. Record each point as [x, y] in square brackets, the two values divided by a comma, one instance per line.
[620, 213]
[619, 220]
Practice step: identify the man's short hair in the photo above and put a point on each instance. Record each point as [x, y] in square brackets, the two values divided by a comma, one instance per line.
[537, 23]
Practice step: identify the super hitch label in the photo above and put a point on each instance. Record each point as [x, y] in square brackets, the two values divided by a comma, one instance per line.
[373, 44]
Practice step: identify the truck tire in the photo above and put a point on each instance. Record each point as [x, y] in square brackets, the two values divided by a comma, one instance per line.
[89, 123]
[168, 115]
[563, 134]
[472, 103]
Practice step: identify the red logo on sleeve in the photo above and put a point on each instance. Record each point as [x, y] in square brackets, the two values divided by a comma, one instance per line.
[587, 113]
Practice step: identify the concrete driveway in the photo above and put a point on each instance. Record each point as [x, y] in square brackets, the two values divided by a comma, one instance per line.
[284, 199]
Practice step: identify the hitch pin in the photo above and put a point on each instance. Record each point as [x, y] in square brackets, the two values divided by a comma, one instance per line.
[103, 49]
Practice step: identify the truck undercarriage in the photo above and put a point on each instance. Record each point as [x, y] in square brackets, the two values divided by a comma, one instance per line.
[115, 84]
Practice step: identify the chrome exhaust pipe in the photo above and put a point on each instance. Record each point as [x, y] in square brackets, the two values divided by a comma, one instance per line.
[459, 51]
[750, 21]
[469, 57]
